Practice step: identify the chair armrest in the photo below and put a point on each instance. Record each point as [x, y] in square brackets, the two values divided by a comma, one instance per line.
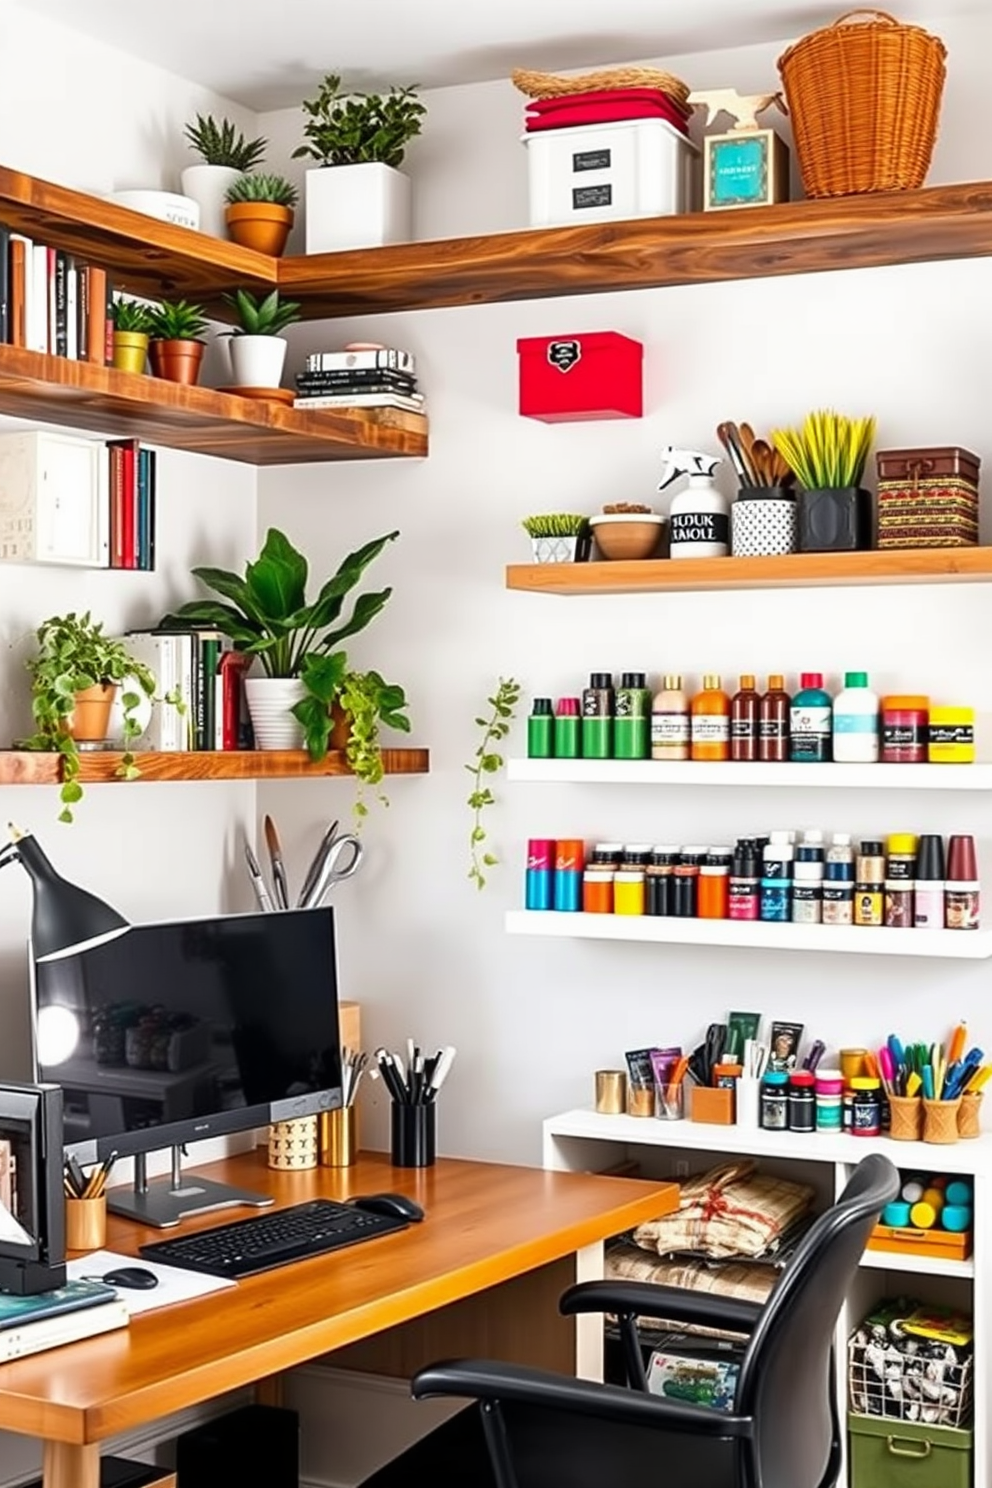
[646, 1299]
[477, 1379]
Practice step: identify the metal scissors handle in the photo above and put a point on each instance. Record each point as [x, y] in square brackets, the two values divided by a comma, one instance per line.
[335, 871]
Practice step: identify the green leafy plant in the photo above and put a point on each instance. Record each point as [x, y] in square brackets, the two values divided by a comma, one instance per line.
[829, 451]
[128, 315]
[355, 128]
[224, 143]
[177, 320]
[262, 317]
[366, 701]
[262, 188]
[73, 654]
[488, 762]
[555, 524]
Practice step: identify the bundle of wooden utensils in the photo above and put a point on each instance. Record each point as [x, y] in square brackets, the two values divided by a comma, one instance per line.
[755, 461]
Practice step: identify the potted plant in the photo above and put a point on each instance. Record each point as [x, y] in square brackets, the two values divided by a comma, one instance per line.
[176, 348]
[304, 679]
[258, 351]
[828, 456]
[132, 327]
[356, 196]
[260, 212]
[75, 677]
[226, 154]
[558, 537]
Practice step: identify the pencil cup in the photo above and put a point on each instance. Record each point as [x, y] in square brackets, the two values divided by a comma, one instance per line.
[970, 1114]
[293, 1144]
[413, 1131]
[86, 1223]
[338, 1137]
[940, 1120]
[640, 1100]
[611, 1092]
[668, 1100]
[906, 1118]
[748, 1103]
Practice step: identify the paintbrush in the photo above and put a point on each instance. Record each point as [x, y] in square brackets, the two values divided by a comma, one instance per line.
[257, 881]
[279, 880]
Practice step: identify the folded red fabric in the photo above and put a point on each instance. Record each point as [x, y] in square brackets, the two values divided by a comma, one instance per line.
[605, 106]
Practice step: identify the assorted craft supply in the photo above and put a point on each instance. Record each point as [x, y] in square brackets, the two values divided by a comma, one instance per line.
[811, 725]
[901, 882]
[912, 1362]
[933, 1215]
[413, 1086]
[79, 1185]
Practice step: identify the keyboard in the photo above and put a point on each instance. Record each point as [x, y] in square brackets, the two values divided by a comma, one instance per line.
[247, 1246]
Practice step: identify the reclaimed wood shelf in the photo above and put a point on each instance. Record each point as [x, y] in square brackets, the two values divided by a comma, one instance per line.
[857, 232]
[26, 767]
[83, 395]
[789, 571]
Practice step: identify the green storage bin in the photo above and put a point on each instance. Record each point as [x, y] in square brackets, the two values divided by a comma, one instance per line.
[901, 1454]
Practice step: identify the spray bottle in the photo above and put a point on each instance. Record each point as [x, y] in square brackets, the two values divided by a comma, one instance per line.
[699, 522]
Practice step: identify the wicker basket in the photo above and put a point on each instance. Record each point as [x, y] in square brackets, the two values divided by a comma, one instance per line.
[864, 96]
[553, 85]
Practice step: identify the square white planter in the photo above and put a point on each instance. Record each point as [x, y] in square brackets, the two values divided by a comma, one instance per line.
[356, 206]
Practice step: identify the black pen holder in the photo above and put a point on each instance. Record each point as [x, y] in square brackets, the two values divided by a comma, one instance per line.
[835, 520]
[413, 1134]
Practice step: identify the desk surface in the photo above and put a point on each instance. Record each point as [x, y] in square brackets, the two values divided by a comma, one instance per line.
[486, 1223]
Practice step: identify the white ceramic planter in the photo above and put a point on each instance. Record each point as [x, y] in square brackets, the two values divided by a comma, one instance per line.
[207, 185]
[168, 206]
[356, 206]
[257, 361]
[269, 701]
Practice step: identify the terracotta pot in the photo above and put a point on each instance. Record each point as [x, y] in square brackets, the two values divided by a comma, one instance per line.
[263, 226]
[130, 350]
[177, 361]
[89, 721]
[340, 728]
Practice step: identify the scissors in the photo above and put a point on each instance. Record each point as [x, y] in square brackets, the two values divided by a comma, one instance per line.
[338, 858]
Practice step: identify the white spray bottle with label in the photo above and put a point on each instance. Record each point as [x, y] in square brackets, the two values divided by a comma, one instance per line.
[699, 523]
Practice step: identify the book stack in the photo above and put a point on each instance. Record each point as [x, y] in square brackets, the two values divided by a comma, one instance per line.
[200, 695]
[376, 377]
[80, 1309]
[52, 301]
[131, 505]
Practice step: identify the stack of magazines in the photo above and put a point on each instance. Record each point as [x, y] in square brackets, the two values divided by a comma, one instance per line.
[360, 377]
[80, 1309]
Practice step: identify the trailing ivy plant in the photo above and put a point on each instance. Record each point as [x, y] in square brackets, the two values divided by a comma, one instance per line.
[355, 128]
[224, 143]
[489, 762]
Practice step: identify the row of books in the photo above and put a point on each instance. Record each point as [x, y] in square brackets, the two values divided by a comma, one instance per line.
[374, 377]
[198, 668]
[131, 505]
[80, 1309]
[53, 302]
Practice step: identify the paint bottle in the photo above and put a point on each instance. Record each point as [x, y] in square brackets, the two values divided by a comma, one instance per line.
[714, 884]
[855, 722]
[951, 736]
[597, 891]
[807, 885]
[869, 884]
[710, 721]
[660, 884]
[802, 1101]
[928, 899]
[569, 864]
[685, 882]
[629, 881]
[962, 890]
[540, 727]
[670, 721]
[775, 1101]
[773, 720]
[568, 728]
[905, 724]
[744, 725]
[776, 879]
[597, 717]
[744, 889]
[829, 1094]
[699, 517]
[900, 880]
[866, 1113]
[810, 721]
[632, 718]
[838, 882]
[539, 883]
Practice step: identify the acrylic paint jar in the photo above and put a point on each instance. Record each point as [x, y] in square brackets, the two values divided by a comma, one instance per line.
[714, 885]
[775, 1101]
[829, 1091]
[962, 891]
[802, 1101]
[628, 891]
[928, 898]
[660, 880]
[539, 883]
[776, 900]
[540, 730]
[866, 1110]
[905, 724]
[807, 881]
[686, 882]
[900, 881]
[597, 892]
[569, 863]
[869, 885]
[853, 1062]
[951, 736]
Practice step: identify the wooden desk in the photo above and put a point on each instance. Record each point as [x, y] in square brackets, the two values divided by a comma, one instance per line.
[487, 1226]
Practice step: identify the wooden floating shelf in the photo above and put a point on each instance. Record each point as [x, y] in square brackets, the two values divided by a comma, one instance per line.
[966, 945]
[81, 395]
[939, 222]
[790, 571]
[976, 777]
[24, 767]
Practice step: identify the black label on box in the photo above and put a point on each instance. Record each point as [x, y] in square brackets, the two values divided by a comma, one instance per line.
[592, 196]
[564, 354]
[585, 160]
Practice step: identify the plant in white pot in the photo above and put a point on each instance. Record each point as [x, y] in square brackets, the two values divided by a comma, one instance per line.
[357, 197]
[226, 154]
[258, 351]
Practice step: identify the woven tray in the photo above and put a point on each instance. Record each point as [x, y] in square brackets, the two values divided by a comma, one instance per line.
[553, 85]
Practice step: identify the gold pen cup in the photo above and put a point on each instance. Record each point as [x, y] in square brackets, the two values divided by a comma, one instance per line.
[86, 1223]
[339, 1137]
[611, 1092]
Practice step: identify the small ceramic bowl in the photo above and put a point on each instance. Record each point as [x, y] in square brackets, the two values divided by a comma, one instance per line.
[627, 534]
[169, 206]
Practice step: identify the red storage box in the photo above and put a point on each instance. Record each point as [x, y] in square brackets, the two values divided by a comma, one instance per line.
[595, 375]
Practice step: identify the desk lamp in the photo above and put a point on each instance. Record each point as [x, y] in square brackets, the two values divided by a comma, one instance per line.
[65, 918]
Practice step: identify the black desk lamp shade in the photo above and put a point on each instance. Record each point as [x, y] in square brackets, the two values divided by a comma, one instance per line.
[65, 917]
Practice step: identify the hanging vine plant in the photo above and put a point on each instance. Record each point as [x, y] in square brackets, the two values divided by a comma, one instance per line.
[488, 762]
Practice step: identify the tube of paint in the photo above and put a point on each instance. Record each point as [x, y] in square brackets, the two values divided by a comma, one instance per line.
[539, 884]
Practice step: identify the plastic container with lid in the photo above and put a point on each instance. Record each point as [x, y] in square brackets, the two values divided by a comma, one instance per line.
[900, 875]
[660, 883]
[714, 884]
[855, 722]
[775, 1101]
[951, 736]
[905, 723]
[686, 882]
[829, 1090]
[810, 721]
[866, 1113]
[802, 1101]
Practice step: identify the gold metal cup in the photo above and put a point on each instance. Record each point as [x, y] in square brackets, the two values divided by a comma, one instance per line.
[611, 1092]
[86, 1223]
[339, 1137]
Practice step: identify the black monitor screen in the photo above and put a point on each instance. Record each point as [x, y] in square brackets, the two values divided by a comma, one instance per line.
[177, 1031]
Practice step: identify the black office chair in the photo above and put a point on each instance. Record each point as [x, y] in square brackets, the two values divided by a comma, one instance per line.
[535, 1429]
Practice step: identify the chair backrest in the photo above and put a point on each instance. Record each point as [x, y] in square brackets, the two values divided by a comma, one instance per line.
[786, 1380]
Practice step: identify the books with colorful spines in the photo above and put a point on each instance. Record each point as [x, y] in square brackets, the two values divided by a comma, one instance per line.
[124, 502]
[18, 289]
[67, 1327]
[166, 729]
[96, 319]
[146, 509]
[232, 728]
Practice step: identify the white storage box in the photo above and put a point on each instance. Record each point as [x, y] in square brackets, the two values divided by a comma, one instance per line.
[602, 172]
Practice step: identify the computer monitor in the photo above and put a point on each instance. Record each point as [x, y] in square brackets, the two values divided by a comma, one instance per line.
[187, 1029]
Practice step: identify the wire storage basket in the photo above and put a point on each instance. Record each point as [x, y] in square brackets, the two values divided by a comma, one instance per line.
[864, 95]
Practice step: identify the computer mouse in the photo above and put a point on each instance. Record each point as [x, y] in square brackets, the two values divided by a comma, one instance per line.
[135, 1277]
[397, 1206]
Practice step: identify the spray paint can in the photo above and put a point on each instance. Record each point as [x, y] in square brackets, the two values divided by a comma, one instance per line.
[540, 725]
[539, 883]
[569, 862]
[567, 729]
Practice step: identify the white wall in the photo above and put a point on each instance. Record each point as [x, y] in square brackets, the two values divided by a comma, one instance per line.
[420, 948]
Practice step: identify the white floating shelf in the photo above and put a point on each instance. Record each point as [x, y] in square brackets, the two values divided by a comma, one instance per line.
[967, 945]
[977, 777]
[916, 1264]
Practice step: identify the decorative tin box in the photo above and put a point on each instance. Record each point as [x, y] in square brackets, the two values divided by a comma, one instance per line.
[928, 498]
